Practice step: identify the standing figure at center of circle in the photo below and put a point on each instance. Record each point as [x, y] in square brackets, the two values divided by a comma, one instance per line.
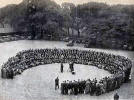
[61, 68]
[71, 67]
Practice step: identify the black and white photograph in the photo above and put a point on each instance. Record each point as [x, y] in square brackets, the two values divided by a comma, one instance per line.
[66, 49]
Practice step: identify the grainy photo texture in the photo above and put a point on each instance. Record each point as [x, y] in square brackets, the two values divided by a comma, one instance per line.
[66, 49]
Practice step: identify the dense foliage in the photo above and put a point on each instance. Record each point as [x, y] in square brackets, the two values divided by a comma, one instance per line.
[101, 24]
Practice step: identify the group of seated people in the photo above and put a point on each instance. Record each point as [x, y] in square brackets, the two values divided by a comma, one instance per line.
[118, 66]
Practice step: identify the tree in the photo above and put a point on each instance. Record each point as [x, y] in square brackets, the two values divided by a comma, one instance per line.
[68, 15]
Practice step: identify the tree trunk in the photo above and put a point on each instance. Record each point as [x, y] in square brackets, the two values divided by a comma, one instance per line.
[72, 31]
[68, 31]
[78, 33]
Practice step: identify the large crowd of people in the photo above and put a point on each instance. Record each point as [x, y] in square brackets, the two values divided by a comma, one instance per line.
[92, 87]
[118, 66]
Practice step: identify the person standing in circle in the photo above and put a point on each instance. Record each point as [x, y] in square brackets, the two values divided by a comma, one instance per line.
[56, 83]
[61, 68]
[116, 96]
[71, 66]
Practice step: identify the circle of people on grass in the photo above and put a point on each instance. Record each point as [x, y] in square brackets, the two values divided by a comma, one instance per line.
[118, 66]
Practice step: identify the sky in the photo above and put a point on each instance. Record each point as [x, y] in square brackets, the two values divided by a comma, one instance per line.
[6, 2]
